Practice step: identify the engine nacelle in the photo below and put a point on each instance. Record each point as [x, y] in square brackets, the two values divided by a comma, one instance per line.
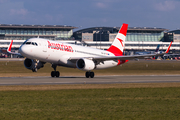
[85, 64]
[31, 64]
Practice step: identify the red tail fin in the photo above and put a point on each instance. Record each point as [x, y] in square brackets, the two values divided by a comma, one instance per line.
[118, 44]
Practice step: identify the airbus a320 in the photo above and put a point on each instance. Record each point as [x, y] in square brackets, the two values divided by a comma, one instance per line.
[38, 51]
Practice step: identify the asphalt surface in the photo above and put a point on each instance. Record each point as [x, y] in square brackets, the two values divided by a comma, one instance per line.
[12, 59]
[83, 80]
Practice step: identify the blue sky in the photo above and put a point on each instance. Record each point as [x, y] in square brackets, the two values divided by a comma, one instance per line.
[92, 13]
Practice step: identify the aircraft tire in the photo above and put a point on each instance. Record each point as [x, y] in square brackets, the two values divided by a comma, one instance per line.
[57, 73]
[53, 73]
[92, 74]
[87, 74]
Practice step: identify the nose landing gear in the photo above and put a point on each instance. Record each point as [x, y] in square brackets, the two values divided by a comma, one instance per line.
[55, 73]
[34, 69]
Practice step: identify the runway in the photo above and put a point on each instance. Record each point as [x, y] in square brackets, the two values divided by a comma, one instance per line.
[83, 80]
[12, 59]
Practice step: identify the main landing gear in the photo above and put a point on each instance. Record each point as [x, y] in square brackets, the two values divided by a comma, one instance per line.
[55, 73]
[89, 74]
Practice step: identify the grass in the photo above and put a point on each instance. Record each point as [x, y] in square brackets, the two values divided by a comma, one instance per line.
[101, 102]
[105, 103]
[12, 68]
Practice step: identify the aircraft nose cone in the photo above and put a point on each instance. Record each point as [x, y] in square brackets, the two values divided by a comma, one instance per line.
[20, 50]
[23, 51]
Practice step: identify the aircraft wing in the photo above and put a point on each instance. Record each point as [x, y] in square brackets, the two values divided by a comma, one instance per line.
[127, 57]
[9, 49]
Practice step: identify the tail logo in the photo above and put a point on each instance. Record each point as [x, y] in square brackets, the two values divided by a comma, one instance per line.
[120, 41]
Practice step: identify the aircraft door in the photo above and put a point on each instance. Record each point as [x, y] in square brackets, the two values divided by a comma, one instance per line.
[44, 46]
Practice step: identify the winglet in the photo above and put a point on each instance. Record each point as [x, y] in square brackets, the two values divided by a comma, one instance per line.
[9, 49]
[10, 45]
[168, 47]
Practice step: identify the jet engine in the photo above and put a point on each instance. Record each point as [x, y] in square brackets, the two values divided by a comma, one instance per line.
[85, 64]
[33, 65]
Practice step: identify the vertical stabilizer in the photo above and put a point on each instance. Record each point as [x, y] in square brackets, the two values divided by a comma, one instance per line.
[118, 44]
[157, 49]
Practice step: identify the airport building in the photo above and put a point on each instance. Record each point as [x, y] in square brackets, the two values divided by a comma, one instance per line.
[173, 35]
[135, 34]
[94, 34]
[138, 39]
[24, 32]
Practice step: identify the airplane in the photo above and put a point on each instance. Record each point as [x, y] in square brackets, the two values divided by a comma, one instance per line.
[157, 49]
[38, 51]
[147, 52]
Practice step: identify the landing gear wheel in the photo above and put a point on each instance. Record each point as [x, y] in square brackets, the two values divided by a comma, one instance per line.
[89, 74]
[55, 74]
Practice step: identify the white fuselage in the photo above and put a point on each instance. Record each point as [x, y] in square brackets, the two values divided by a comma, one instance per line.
[59, 52]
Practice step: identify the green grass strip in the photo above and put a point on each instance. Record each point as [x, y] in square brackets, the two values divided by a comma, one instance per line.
[145, 67]
[88, 104]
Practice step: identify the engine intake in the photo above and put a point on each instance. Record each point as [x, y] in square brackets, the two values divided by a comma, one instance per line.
[85, 64]
[31, 64]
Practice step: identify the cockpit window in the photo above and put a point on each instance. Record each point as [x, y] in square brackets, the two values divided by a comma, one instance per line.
[25, 41]
[28, 43]
[31, 43]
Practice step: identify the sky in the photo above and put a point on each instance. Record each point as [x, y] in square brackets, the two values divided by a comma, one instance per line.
[92, 13]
